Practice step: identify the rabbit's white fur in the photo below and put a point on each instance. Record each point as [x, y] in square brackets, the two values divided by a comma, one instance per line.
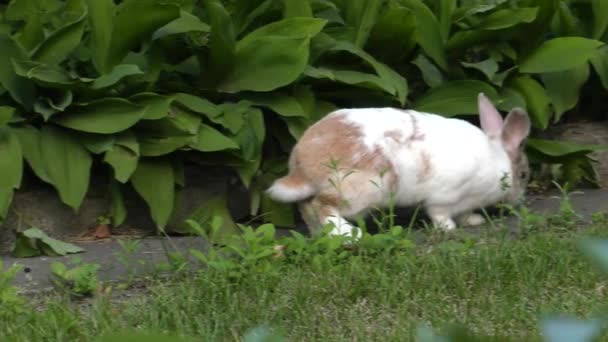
[356, 159]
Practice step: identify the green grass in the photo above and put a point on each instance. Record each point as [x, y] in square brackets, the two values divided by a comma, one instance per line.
[318, 291]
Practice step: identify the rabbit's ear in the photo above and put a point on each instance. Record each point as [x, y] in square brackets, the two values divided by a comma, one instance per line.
[489, 117]
[516, 129]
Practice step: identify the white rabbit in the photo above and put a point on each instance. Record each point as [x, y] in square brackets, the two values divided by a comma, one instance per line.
[355, 159]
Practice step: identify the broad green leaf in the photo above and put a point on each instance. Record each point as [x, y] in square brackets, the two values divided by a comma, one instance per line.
[198, 105]
[560, 54]
[105, 116]
[279, 214]
[396, 26]
[536, 99]
[250, 139]
[157, 106]
[96, 143]
[600, 18]
[123, 156]
[67, 164]
[566, 329]
[34, 242]
[210, 139]
[351, 77]
[101, 19]
[155, 147]
[185, 23]
[506, 18]
[222, 42]
[48, 75]
[31, 147]
[362, 15]
[53, 103]
[116, 75]
[564, 88]
[560, 149]
[446, 10]
[429, 32]
[6, 114]
[273, 56]
[118, 209]
[455, 98]
[179, 123]
[511, 99]
[131, 28]
[299, 8]
[232, 116]
[281, 103]
[600, 64]
[430, 73]
[11, 168]
[21, 89]
[388, 75]
[60, 44]
[488, 67]
[154, 182]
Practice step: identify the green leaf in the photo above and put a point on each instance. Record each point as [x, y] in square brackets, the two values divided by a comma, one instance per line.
[185, 23]
[396, 26]
[60, 43]
[48, 75]
[272, 56]
[428, 34]
[53, 102]
[118, 210]
[222, 42]
[157, 106]
[536, 99]
[101, 18]
[279, 102]
[198, 105]
[455, 98]
[299, 8]
[67, 164]
[210, 139]
[154, 182]
[279, 214]
[488, 67]
[179, 123]
[564, 88]
[446, 10]
[560, 54]
[30, 142]
[123, 156]
[506, 18]
[21, 90]
[565, 329]
[388, 75]
[362, 15]
[232, 116]
[116, 75]
[34, 242]
[155, 147]
[6, 114]
[553, 148]
[250, 139]
[600, 64]
[362, 79]
[430, 73]
[136, 21]
[600, 20]
[105, 116]
[11, 168]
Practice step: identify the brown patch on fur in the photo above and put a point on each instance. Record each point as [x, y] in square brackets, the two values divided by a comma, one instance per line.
[397, 135]
[294, 179]
[334, 144]
[426, 168]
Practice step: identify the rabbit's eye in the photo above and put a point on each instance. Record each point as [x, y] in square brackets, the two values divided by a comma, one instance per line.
[523, 175]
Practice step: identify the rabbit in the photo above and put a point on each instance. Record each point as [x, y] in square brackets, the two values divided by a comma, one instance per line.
[353, 160]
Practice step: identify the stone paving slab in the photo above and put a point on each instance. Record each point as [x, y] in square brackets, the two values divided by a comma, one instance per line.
[151, 252]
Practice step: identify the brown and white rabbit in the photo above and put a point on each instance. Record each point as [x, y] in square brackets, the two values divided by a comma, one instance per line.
[353, 160]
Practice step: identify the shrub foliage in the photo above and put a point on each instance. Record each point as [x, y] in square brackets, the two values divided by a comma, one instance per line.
[137, 88]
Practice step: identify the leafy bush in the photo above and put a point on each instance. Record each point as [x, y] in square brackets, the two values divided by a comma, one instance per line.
[137, 89]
